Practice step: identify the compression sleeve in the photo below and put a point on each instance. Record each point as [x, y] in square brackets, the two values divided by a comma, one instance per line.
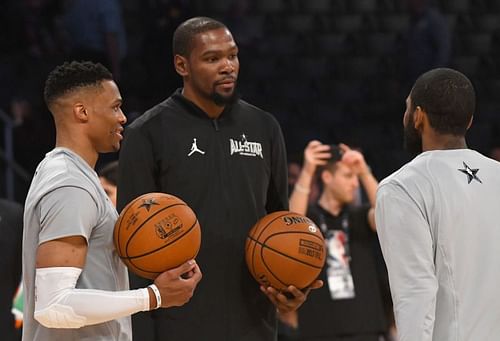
[58, 304]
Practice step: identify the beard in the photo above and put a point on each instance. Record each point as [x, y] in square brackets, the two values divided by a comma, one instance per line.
[222, 100]
[412, 139]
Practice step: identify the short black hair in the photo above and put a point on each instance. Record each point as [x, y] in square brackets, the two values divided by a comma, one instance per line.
[448, 98]
[71, 76]
[110, 172]
[185, 33]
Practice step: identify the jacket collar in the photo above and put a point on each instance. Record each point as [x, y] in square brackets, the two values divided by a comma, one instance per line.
[195, 110]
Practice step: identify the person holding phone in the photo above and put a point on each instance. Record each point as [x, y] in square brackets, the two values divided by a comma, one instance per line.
[349, 306]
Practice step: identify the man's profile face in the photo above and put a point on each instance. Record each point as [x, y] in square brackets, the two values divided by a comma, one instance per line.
[412, 137]
[214, 66]
[106, 118]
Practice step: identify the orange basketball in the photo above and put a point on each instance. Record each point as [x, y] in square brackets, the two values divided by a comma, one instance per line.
[285, 248]
[156, 232]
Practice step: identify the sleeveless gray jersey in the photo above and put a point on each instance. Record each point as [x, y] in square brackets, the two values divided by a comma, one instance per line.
[66, 199]
[438, 221]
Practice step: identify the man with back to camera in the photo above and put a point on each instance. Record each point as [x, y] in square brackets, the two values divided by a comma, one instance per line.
[75, 284]
[226, 159]
[349, 306]
[438, 219]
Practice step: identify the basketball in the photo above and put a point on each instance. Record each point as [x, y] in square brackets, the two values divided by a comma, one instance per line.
[156, 232]
[285, 248]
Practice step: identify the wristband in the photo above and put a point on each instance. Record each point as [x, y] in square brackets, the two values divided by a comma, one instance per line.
[157, 294]
[301, 189]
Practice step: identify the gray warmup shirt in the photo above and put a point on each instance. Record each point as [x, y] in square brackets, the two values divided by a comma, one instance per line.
[66, 199]
[438, 221]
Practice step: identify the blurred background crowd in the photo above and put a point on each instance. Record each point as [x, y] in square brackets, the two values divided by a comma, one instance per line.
[334, 70]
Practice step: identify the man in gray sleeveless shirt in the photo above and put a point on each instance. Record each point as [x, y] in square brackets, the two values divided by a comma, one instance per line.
[438, 220]
[75, 284]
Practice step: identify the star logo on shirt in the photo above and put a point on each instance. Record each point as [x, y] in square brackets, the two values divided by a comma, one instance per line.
[471, 173]
[148, 203]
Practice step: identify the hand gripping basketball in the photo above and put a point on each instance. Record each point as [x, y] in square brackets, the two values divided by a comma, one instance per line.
[156, 232]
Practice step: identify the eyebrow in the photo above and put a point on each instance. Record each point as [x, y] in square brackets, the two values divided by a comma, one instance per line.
[232, 48]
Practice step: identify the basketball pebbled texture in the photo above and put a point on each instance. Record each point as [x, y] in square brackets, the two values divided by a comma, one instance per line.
[285, 248]
[156, 232]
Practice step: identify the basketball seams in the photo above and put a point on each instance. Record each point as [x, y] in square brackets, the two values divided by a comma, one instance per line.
[136, 230]
[132, 264]
[116, 232]
[163, 246]
[284, 213]
[120, 219]
[279, 214]
[268, 268]
[263, 245]
[148, 219]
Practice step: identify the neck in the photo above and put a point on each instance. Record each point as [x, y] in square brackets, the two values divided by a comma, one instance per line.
[85, 151]
[438, 141]
[330, 203]
[207, 105]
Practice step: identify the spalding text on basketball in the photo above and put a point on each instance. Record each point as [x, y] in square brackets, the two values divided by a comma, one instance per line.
[296, 220]
[310, 248]
[168, 226]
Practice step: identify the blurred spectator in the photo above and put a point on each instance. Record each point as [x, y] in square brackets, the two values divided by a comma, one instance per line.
[11, 232]
[32, 130]
[96, 32]
[294, 169]
[428, 40]
[159, 29]
[350, 305]
[247, 29]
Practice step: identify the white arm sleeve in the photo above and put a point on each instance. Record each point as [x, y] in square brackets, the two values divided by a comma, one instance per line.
[407, 246]
[58, 304]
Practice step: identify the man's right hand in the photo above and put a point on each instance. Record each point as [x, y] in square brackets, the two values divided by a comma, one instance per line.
[177, 285]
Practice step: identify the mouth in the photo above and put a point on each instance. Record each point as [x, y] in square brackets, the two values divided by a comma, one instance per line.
[119, 133]
[226, 82]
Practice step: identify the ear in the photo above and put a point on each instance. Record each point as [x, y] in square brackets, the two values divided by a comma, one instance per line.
[470, 122]
[419, 118]
[80, 112]
[326, 176]
[181, 65]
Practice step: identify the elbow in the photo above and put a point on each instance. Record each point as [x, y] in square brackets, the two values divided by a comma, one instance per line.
[59, 316]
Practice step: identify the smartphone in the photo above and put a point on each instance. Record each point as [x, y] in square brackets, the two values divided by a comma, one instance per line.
[336, 153]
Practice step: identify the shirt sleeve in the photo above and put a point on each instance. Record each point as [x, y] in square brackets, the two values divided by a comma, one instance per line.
[67, 211]
[407, 247]
[277, 193]
[136, 167]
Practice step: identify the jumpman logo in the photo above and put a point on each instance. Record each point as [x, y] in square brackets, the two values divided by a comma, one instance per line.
[194, 148]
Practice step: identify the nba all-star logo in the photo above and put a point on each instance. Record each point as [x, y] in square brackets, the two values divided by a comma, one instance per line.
[244, 147]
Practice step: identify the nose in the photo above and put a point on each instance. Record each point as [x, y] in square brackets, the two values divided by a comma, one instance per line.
[122, 118]
[228, 66]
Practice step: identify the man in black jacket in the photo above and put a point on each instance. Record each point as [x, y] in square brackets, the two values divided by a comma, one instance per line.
[227, 160]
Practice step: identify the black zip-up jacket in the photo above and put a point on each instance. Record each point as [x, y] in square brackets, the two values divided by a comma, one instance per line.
[231, 171]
